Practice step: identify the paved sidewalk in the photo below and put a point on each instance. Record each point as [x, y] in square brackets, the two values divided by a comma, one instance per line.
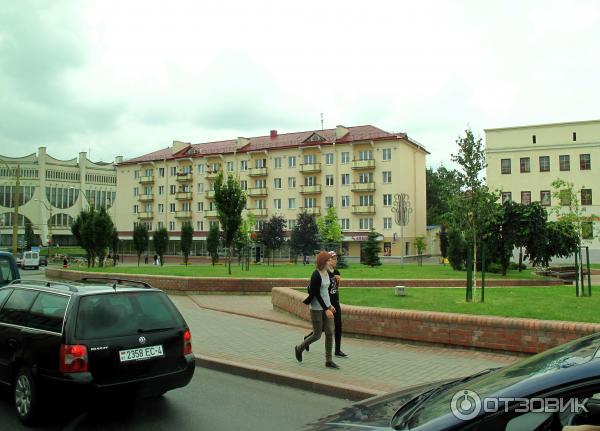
[232, 342]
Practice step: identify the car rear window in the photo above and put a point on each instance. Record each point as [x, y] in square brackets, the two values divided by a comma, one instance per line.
[48, 312]
[121, 314]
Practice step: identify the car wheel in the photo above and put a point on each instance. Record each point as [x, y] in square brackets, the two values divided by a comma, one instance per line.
[25, 396]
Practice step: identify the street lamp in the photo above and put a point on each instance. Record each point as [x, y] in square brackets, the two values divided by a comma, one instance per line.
[49, 208]
[16, 209]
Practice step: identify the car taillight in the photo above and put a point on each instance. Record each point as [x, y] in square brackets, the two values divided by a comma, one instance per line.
[73, 358]
[187, 342]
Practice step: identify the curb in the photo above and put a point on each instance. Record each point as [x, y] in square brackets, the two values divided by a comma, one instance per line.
[350, 392]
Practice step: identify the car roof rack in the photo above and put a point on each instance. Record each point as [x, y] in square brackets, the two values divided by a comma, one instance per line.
[117, 281]
[42, 283]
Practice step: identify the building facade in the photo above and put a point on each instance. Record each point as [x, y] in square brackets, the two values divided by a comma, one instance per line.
[524, 161]
[52, 193]
[358, 170]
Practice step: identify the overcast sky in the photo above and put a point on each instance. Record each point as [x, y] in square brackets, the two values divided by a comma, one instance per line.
[129, 77]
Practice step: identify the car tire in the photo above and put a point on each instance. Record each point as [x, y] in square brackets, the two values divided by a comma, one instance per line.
[25, 396]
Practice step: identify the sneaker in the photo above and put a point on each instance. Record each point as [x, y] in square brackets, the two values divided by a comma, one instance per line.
[340, 354]
[298, 353]
[331, 364]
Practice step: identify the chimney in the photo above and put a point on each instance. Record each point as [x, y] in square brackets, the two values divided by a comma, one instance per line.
[178, 146]
[340, 132]
[273, 134]
[241, 142]
[118, 159]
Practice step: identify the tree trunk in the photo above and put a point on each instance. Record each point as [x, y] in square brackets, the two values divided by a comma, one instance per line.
[474, 267]
[229, 259]
[520, 258]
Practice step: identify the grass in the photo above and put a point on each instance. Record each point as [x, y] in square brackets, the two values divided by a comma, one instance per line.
[299, 271]
[551, 303]
[71, 251]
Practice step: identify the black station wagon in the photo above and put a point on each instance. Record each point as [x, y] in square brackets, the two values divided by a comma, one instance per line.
[98, 337]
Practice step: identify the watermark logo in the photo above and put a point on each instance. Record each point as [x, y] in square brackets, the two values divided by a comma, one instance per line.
[467, 404]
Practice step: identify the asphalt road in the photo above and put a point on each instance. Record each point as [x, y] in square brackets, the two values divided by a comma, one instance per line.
[212, 401]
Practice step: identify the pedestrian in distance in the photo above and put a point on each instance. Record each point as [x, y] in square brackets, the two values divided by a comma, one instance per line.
[155, 259]
[65, 262]
[146, 260]
[321, 310]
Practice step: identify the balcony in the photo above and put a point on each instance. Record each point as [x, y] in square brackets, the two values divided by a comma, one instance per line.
[258, 212]
[310, 189]
[183, 214]
[310, 168]
[211, 175]
[211, 213]
[183, 196]
[146, 198]
[363, 187]
[182, 178]
[257, 172]
[363, 164]
[312, 210]
[145, 215]
[363, 209]
[147, 179]
[257, 192]
[210, 194]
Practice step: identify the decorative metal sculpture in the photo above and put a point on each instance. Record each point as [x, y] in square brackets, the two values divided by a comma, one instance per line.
[401, 210]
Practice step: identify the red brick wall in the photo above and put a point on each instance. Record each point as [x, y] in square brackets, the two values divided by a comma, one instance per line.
[497, 333]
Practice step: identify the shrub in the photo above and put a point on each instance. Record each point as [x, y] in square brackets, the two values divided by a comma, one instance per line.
[495, 268]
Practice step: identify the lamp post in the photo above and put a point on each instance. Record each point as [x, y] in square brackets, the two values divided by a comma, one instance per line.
[49, 208]
[15, 222]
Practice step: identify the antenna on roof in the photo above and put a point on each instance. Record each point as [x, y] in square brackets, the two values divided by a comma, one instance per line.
[321, 121]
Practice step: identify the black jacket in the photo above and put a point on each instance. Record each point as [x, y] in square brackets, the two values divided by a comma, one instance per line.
[314, 290]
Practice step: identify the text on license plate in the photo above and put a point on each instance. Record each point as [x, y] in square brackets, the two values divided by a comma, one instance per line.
[140, 353]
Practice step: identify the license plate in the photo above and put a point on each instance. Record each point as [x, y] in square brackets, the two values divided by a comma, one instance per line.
[141, 353]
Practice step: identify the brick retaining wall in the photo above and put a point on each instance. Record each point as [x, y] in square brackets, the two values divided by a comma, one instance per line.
[487, 332]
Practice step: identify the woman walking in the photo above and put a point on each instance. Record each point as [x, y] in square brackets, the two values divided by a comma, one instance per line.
[321, 310]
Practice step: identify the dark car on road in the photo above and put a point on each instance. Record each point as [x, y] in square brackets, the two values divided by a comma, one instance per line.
[9, 269]
[76, 341]
[43, 260]
[543, 392]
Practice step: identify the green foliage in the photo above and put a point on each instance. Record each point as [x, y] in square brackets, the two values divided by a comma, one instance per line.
[272, 234]
[212, 243]
[305, 235]
[443, 242]
[93, 230]
[83, 236]
[140, 240]
[331, 236]
[114, 244]
[441, 187]
[562, 241]
[30, 239]
[187, 236]
[457, 249]
[160, 238]
[535, 234]
[230, 200]
[420, 247]
[372, 249]
[243, 241]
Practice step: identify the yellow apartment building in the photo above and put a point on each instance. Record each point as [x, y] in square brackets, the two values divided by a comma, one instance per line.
[358, 170]
[523, 161]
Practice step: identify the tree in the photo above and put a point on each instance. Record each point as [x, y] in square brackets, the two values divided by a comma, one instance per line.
[140, 240]
[272, 234]
[305, 235]
[161, 242]
[103, 227]
[212, 243]
[457, 249]
[82, 235]
[561, 240]
[114, 245]
[372, 249]
[30, 240]
[443, 243]
[330, 234]
[243, 241]
[442, 185]
[420, 247]
[536, 234]
[230, 201]
[187, 236]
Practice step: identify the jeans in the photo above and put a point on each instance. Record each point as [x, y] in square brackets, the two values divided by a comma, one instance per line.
[320, 324]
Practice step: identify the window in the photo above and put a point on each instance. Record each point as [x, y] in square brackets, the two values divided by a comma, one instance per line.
[585, 162]
[200, 206]
[310, 181]
[505, 166]
[565, 163]
[212, 223]
[545, 198]
[365, 200]
[574, 136]
[387, 154]
[533, 139]
[292, 161]
[161, 190]
[365, 223]
[261, 203]
[260, 224]
[345, 223]
[291, 182]
[136, 209]
[387, 177]
[260, 184]
[277, 162]
[365, 155]
[136, 174]
[201, 168]
[229, 166]
[172, 189]
[47, 312]
[526, 198]
[200, 225]
[292, 203]
[160, 225]
[161, 208]
[136, 191]
[173, 171]
[544, 163]
[291, 224]
[244, 184]
[200, 187]
[345, 157]
[329, 158]
[387, 222]
[277, 183]
[345, 179]
[243, 165]
[329, 180]
[365, 177]
[345, 201]
[215, 167]
[328, 201]
[387, 200]
[524, 165]
[171, 225]
[565, 197]
[587, 230]
[161, 172]
[310, 159]
[172, 208]
[277, 204]
[16, 308]
[310, 202]
[586, 196]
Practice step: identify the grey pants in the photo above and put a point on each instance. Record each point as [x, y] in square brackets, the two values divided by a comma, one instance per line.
[320, 323]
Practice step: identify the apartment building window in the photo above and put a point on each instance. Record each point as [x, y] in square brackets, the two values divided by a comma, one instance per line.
[172, 208]
[524, 165]
[585, 162]
[260, 163]
[329, 180]
[544, 163]
[171, 225]
[345, 223]
[387, 222]
[345, 179]
[161, 208]
[136, 192]
[277, 204]
[215, 167]
[587, 230]
[212, 223]
[291, 161]
[310, 159]
[200, 206]
[277, 183]
[565, 197]
[291, 224]
[365, 155]
[200, 187]
[328, 201]
[261, 203]
[161, 172]
[199, 225]
[365, 200]
[387, 200]
[526, 198]
[149, 172]
[310, 181]
[260, 224]
[173, 171]
[534, 139]
[161, 190]
[136, 209]
[387, 154]
[160, 225]
[277, 162]
[260, 184]
[505, 166]
[545, 198]
[387, 177]
[345, 157]
[136, 174]
[345, 201]
[310, 202]
[574, 136]
[244, 184]
[292, 203]
[564, 162]
[243, 165]
[201, 168]
[365, 223]
[172, 189]
[586, 196]
[506, 196]
[329, 158]
[186, 206]
[229, 166]
[292, 182]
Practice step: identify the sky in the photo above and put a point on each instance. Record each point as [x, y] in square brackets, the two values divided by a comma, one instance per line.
[124, 77]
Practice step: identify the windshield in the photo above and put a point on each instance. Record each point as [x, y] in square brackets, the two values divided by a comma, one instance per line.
[568, 355]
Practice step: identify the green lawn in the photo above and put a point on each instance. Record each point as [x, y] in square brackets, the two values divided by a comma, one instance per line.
[552, 303]
[300, 271]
